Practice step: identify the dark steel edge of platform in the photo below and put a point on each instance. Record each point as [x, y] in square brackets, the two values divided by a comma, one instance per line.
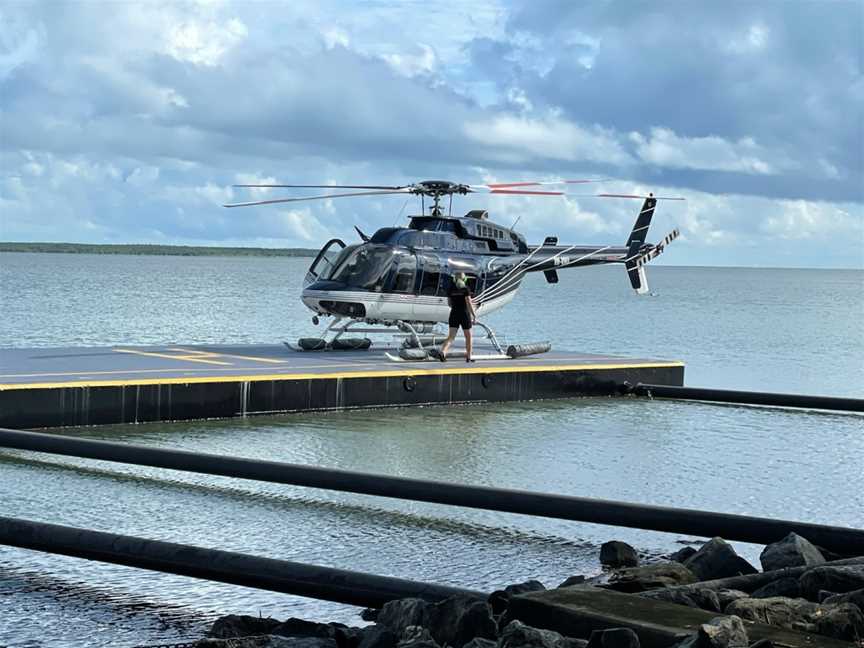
[74, 405]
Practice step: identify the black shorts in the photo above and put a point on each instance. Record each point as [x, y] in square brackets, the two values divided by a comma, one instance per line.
[458, 319]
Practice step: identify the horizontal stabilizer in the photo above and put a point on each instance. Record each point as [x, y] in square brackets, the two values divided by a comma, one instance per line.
[658, 249]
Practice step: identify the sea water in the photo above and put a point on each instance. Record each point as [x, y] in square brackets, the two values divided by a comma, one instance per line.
[767, 329]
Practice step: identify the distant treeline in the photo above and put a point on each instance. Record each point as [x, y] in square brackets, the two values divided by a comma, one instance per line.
[172, 250]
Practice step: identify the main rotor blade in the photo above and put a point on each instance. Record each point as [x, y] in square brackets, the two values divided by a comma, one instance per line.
[520, 192]
[287, 200]
[507, 185]
[293, 186]
[607, 195]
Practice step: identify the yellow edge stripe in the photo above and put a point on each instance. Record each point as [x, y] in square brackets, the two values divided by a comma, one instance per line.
[342, 375]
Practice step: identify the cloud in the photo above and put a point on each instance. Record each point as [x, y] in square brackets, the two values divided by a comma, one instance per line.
[665, 148]
[522, 139]
[134, 123]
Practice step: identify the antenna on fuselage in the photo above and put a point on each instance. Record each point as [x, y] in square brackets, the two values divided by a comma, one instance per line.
[518, 218]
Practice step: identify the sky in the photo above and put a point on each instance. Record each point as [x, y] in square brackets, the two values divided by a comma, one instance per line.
[129, 122]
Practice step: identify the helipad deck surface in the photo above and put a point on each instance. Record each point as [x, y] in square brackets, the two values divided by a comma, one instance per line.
[74, 386]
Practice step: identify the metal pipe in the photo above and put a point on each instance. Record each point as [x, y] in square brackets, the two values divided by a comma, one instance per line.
[841, 540]
[313, 581]
[749, 398]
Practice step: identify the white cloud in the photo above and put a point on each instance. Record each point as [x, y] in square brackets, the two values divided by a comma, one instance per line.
[522, 138]
[19, 44]
[204, 43]
[664, 148]
[410, 65]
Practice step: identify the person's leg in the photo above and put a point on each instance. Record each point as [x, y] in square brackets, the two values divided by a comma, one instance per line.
[467, 333]
[450, 337]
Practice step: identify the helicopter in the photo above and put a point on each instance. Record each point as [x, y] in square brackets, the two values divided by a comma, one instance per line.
[400, 276]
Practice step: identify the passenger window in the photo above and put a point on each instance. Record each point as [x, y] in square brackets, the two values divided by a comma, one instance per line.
[429, 284]
[403, 280]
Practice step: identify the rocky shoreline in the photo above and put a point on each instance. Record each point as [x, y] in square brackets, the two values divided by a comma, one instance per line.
[800, 588]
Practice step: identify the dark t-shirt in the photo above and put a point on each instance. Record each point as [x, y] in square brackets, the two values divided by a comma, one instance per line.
[458, 298]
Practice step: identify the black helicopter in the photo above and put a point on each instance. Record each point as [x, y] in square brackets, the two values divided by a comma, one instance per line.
[401, 275]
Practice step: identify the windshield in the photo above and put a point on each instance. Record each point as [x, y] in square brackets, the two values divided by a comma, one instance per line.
[365, 268]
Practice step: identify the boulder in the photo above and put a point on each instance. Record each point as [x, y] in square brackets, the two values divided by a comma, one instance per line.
[726, 596]
[500, 599]
[704, 599]
[378, 636]
[614, 638]
[777, 611]
[416, 637]
[618, 554]
[839, 579]
[791, 551]
[401, 613]
[787, 587]
[841, 621]
[572, 581]
[236, 625]
[258, 641]
[477, 642]
[717, 559]
[855, 597]
[342, 635]
[682, 554]
[518, 635]
[454, 621]
[647, 577]
[722, 632]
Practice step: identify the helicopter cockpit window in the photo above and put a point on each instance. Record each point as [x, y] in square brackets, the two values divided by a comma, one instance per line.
[365, 268]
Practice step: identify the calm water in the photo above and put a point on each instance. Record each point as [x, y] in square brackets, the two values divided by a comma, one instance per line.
[776, 330]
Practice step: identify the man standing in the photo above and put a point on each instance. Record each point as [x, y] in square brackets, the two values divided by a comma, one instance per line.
[462, 314]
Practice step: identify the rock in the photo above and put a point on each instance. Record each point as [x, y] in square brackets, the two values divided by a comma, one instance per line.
[370, 614]
[640, 579]
[618, 554]
[500, 599]
[258, 641]
[704, 599]
[481, 643]
[416, 633]
[378, 636]
[571, 581]
[840, 579]
[614, 638]
[416, 637]
[791, 551]
[519, 635]
[841, 621]
[342, 635]
[722, 632]
[682, 554]
[454, 621]
[235, 625]
[460, 619]
[401, 613]
[777, 611]
[726, 596]
[717, 559]
[855, 597]
[787, 587]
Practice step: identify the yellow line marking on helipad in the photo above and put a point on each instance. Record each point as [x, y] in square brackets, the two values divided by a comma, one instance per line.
[234, 355]
[186, 358]
[412, 371]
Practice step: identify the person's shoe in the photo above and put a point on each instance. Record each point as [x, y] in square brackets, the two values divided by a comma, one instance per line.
[436, 353]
